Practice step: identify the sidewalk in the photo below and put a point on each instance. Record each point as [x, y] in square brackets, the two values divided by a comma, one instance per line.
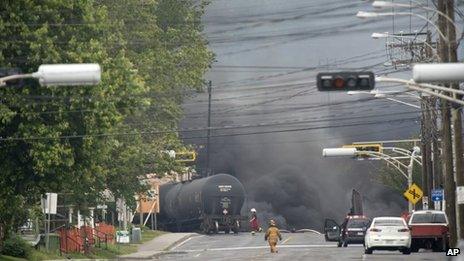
[158, 246]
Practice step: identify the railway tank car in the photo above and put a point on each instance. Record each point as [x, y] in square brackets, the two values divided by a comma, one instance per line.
[209, 204]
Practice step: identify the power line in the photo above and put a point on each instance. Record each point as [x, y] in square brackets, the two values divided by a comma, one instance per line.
[142, 133]
[318, 140]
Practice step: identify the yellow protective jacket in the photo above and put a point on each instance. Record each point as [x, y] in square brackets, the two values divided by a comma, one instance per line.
[272, 234]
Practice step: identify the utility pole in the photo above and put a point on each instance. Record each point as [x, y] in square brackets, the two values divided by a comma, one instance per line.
[447, 152]
[456, 120]
[428, 138]
[426, 148]
[436, 178]
[208, 135]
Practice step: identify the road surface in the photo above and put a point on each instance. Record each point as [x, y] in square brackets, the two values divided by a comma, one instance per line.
[294, 246]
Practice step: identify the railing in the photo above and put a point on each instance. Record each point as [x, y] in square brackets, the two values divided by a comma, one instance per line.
[82, 239]
[103, 236]
[70, 240]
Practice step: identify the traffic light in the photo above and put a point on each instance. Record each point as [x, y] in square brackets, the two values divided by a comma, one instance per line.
[345, 81]
[186, 156]
[365, 147]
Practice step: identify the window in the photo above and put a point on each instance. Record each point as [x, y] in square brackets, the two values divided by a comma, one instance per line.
[358, 223]
[389, 222]
[428, 218]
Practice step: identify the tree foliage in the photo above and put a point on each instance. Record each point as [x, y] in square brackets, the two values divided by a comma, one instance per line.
[83, 140]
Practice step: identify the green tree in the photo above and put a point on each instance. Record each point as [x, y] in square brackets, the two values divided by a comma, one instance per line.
[84, 140]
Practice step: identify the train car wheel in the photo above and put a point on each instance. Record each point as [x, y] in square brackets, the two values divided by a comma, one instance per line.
[204, 228]
[236, 226]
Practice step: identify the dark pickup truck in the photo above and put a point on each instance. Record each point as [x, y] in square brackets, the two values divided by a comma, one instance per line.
[429, 229]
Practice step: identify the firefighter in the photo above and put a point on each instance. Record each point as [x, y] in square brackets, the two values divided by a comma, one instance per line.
[272, 235]
[254, 222]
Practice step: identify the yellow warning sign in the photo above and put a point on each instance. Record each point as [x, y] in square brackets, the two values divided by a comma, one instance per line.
[413, 193]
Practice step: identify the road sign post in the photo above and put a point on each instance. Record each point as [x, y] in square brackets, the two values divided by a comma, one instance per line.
[460, 195]
[425, 202]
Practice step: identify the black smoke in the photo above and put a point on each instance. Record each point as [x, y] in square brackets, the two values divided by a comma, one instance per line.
[284, 173]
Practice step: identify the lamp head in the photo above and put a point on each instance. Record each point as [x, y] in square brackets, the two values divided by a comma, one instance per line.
[381, 4]
[362, 14]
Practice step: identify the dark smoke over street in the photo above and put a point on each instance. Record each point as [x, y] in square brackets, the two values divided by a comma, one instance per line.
[268, 53]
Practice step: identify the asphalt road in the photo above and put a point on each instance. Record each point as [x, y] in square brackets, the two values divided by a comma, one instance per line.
[296, 246]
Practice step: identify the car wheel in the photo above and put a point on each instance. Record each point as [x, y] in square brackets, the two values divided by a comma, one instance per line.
[440, 245]
[368, 251]
[406, 251]
[339, 244]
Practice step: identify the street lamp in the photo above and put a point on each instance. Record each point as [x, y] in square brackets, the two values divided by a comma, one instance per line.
[425, 88]
[383, 95]
[387, 35]
[385, 4]
[62, 75]
[339, 152]
[444, 72]
[353, 152]
[416, 150]
[362, 14]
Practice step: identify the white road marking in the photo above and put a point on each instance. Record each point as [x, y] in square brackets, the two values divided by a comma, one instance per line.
[286, 240]
[185, 241]
[311, 230]
[259, 247]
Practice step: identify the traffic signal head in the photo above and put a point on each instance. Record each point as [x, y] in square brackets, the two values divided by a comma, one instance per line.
[360, 148]
[345, 81]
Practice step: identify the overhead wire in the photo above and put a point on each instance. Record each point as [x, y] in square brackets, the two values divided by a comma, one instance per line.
[317, 140]
[190, 130]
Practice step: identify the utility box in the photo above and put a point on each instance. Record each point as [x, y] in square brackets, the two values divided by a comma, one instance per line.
[136, 235]
[122, 237]
[54, 242]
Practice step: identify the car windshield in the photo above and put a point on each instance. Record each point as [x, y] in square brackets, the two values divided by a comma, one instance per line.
[388, 222]
[358, 223]
[428, 218]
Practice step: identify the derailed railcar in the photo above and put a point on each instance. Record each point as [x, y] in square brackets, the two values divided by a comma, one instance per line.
[210, 204]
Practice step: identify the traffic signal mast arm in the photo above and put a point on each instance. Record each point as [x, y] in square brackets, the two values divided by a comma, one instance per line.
[389, 159]
[375, 151]
[352, 152]
[404, 152]
[421, 87]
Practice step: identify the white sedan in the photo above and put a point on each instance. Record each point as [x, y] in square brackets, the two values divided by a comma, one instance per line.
[388, 233]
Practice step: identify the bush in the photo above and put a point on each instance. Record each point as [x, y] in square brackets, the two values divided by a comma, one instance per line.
[16, 246]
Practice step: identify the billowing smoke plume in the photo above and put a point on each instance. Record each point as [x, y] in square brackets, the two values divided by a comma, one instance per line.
[295, 186]
[284, 174]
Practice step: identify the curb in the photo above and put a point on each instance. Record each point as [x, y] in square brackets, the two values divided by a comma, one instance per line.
[163, 252]
[180, 241]
[167, 251]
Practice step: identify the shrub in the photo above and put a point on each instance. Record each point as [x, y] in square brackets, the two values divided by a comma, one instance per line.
[16, 246]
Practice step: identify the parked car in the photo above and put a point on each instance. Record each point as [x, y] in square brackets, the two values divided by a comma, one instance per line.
[351, 231]
[429, 229]
[388, 233]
